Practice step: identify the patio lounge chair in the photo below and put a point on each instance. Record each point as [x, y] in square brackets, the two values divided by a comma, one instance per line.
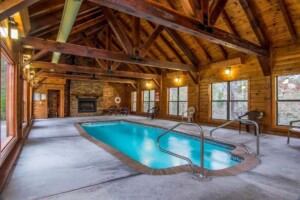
[293, 128]
[113, 109]
[189, 114]
[253, 115]
[124, 111]
[153, 112]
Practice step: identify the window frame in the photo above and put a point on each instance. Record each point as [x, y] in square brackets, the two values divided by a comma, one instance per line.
[134, 101]
[228, 101]
[11, 81]
[149, 100]
[277, 100]
[178, 101]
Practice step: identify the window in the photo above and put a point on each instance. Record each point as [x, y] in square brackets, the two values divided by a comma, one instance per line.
[229, 99]
[7, 98]
[133, 101]
[178, 100]
[148, 97]
[288, 99]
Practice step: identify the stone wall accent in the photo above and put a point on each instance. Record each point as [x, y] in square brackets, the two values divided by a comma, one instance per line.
[104, 92]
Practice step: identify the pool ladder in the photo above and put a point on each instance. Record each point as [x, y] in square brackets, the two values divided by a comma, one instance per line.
[202, 174]
[242, 120]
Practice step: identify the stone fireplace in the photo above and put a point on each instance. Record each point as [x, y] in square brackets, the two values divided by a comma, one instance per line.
[87, 105]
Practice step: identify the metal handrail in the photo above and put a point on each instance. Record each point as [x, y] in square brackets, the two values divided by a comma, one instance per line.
[246, 121]
[202, 172]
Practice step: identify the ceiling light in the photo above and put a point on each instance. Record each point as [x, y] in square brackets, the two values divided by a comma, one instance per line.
[228, 71]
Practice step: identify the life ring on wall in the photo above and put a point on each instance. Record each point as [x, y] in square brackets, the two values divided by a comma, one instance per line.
[118, 100]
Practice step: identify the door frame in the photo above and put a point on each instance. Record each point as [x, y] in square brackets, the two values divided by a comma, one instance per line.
[61, 111]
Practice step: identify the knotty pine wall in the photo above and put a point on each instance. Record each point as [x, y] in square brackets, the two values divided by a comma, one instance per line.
[262, 93]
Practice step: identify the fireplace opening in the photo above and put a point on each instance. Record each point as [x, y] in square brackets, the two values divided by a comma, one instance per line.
[87, 105]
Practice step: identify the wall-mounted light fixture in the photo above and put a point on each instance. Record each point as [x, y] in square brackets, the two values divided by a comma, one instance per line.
[177, 79]
[147, 84]
[3, 32]
[27, 66]
[13, 29]
[228, 71]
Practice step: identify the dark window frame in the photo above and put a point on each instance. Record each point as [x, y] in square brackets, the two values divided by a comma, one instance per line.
[149, 99]
[178, 101]
[280, 100]
[228, 101]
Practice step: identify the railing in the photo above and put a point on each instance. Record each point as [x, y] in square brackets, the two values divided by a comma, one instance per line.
[202, 171]
[242, 120]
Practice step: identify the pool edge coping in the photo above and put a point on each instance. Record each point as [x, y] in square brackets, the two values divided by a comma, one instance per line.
[249, 161]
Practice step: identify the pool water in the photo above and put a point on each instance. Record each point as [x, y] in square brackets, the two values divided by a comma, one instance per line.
[139, 143]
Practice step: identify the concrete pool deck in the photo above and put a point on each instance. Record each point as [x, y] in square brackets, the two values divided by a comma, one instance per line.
[57, 163]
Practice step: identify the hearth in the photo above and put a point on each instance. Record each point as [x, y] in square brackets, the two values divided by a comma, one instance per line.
[87, 105]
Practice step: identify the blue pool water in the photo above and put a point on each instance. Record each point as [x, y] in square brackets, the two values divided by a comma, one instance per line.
[139, 143]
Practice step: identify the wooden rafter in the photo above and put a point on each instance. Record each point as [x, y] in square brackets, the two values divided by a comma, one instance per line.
[91, 70]
[255, 22]
[150, 41]
[89, 43]
[192, 8]
[136, 36]
[45, 25]
[117, 29]
[10, 7]
[287, 19]
[35, 57]
[108, 43]
[88, 77]
[37, 74]
[178, 40]
[229, 23]
[73, 49]
[215, 10]
[162, 15]
[205, 52]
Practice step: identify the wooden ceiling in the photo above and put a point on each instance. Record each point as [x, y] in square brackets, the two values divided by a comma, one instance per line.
[156, 36]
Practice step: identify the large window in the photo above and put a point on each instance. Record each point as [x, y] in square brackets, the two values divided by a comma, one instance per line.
[229, 99]
[288, 99]
[178, 98]
[148, 99]
[133, 101]
[7, 99]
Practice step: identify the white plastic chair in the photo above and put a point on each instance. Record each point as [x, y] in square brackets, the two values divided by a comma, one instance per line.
[189, 114]
[293, 128]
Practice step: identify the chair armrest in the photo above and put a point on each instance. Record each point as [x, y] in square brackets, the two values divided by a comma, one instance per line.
[292, 122]
[242, 116]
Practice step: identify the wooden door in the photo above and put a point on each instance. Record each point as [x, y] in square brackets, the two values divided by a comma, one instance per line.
[53, 103]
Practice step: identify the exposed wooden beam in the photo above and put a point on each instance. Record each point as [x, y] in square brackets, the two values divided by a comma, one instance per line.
[184, 48]
[87, 77]
[108, 43]
[117, 29]
[156, 83]
[151, 39]
[37, 74]
[215, 10]
[265, 64]
[229, 23]
[89, 43]
[162, 15]
[73, 49]
[255, 22]
[205, 52]
[205, 12]
[10, 7]
[287, 19]
[39, 82]
[47, 9]
[35, 57]
[192, 8]
[92, 70]
[133, 85]
[87, 24]
[223, 51]
[136, 36]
